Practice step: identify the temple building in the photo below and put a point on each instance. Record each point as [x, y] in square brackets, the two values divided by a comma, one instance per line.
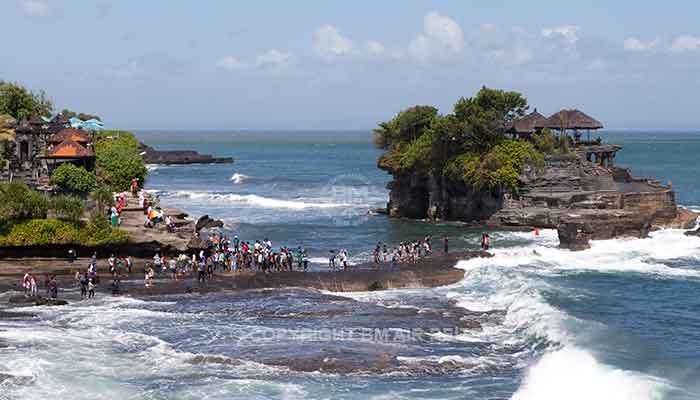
[571, 120]
[523, 128]
[33, 148]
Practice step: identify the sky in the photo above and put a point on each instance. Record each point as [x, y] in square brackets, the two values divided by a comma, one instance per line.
[324, 64]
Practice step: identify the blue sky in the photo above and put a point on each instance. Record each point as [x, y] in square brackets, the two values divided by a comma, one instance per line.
[347, 65]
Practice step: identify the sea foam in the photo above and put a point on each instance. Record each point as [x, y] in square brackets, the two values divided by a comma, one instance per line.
[252, 200]
[238, 178]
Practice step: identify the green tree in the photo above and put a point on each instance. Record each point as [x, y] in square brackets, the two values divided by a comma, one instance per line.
[405, 127]
[487, 115]
[118, 160]
[68, 208]
[70, 114]
[17, 201]
[22, 103]
[73, 178]
[102, 199]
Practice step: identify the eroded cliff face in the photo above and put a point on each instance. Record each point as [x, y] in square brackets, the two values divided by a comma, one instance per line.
[438, 198]
[583, 200]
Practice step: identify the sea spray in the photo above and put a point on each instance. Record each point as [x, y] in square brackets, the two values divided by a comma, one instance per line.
[574, 374]
[238, 178]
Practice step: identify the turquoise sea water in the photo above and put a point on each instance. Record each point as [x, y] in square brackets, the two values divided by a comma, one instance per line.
[618, 321]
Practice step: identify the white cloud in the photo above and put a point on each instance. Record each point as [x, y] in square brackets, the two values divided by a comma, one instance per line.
[685, 43]
[442, 37]
[634, 44]
[509, 47]
[329, 43]
[273, 59]
[566, 33]
[127, 70]
[231, 63]
[375, 48]
[597, 65]
[35, 8]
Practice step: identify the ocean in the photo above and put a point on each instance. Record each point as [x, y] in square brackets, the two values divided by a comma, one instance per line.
[618, 321]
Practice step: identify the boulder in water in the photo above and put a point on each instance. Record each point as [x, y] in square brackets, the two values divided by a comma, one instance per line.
[205, 222]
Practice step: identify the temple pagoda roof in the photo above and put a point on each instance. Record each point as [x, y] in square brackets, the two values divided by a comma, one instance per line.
[70, 149]
[70, 134]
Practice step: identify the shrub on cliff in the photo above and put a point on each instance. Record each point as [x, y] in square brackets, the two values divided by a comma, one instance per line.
[118, 160]
[17, 201]
[500, 167]
[68, 208]
[73, 178]
[547, 142]
[40, 232]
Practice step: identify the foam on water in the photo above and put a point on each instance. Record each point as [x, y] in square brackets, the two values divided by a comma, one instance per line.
[238, 178]
[252, 200]
[513, 281]
[574, 374]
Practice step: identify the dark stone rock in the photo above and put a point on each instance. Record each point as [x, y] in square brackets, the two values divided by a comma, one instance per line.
[213, 359]
[15, 315]
[153, 156]
[37, 301]
[8, 379]
[205, 222]
[196, 244]
[693, 233]
[575, 231]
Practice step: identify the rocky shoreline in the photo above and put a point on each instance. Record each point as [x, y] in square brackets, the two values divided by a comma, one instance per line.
[434, 271]
[584, 200]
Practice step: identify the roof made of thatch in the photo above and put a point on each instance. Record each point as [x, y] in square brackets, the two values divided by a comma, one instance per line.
[528, 123]
[74, 135]
[571, 119]
[70, 149]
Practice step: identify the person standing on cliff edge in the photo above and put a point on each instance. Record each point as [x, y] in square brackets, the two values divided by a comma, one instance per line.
[445, 244]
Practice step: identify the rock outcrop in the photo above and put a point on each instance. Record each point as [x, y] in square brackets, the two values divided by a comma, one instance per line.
[582, 199]
[37, 301]
[153, 156]
[206, 222]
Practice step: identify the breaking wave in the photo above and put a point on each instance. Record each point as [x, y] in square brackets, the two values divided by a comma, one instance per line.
[238, 178]
[512, 281]
[252, 200]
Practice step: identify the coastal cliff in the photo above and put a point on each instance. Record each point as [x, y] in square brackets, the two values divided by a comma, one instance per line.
[489, 163]
[580, 199]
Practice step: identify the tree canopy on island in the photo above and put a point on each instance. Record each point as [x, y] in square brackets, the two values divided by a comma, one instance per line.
[468, 145]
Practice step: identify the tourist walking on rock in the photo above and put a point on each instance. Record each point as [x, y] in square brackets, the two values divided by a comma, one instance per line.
[331, 260]
[201, 272]
[157, 262]
[53, 288]
[33, 289]
[84, 285]
[25, 283]
[485, 241]
[91, 289]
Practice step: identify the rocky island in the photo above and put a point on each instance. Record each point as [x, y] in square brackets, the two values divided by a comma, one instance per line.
[171, 157]
[490, 162]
